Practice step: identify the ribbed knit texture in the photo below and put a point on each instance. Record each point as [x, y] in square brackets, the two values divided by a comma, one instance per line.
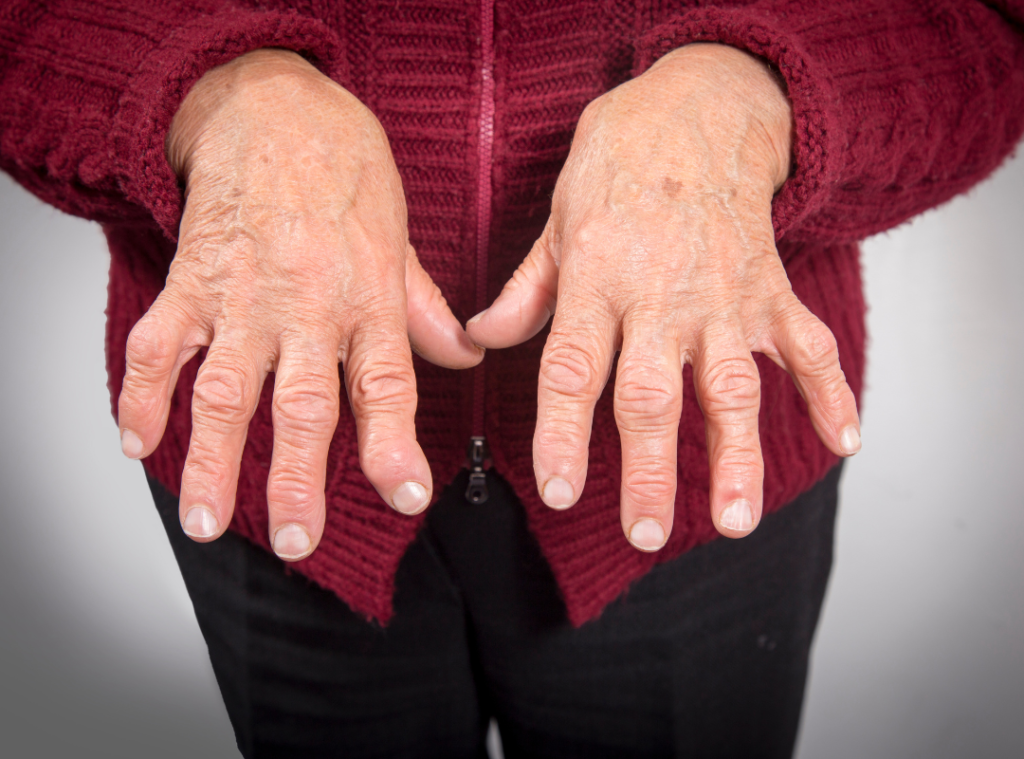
[898, 105]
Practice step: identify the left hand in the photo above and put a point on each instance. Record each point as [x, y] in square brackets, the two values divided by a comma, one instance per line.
[660, 245]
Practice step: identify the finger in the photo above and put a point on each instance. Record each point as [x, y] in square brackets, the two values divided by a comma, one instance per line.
[434, 332]
[573, 371]
[648, 405]
[156, 351]
[307, 398]
[728, 389]
[224, 397]
[807, 350]
[382, 390]
[525, 303]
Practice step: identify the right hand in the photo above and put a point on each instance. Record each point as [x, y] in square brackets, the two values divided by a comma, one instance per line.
[293, 256]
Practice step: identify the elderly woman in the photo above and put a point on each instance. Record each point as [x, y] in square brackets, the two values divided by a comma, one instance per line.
[290, 190]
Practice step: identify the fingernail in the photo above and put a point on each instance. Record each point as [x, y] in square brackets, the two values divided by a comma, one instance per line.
[737, 516]
[131, 444]
[849, 441]
[200, 523]
[647, 534]
[291, 542]
[558, 494]
[410, 498]
[477, 318]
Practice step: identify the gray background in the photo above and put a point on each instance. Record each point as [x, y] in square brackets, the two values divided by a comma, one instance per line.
[921, 649]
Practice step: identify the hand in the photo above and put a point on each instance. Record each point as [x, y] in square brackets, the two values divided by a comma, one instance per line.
[293, 255]
[660, 245]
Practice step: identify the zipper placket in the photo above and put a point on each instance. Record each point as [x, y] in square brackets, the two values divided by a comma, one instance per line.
[476, 492]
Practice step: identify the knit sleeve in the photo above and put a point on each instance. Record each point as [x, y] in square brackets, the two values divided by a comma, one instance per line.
[89, 90]
[898, 104]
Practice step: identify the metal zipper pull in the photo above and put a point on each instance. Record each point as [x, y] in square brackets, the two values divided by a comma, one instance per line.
[476, 492]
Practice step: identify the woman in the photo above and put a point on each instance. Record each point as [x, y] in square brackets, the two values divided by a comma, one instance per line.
[658, 245]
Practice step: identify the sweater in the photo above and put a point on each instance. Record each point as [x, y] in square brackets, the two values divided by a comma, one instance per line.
[898, 106]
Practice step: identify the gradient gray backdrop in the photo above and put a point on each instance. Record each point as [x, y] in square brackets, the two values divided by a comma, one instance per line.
[921, 650]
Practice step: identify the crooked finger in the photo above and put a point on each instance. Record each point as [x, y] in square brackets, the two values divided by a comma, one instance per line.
[574, 369]
[728, 388]
[807, 350]
[648, 405]
[155, 352]
[382, 390]
[307, 397]
[224, 398]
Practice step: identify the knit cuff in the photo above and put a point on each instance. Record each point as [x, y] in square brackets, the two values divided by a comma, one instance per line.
[818, 137]
[167, 74]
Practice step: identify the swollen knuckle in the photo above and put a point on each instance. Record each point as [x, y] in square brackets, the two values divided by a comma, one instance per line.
[150, 346]
[731, 385]
[647, 399]
[562, 435]
[740, 462]
[295, 487]
[650, 486]
[817, 348]
[570, 370]
[380, 459]
[384, 385]
[221, 394]
[307, 405]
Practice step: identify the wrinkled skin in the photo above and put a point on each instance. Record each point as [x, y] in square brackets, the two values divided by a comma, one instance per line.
[293, 256]
[660, 245]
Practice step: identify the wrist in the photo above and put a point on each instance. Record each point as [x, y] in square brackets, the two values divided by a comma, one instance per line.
[242, 81]
[721, 76]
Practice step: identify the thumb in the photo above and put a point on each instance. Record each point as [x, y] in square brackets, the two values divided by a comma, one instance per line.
[434, 332]
[525, 303]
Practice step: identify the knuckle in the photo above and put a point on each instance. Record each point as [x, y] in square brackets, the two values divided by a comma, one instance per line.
[308, 405]
[150, 347]
[817, 349]
[221, 393]
[381, 460]
[731, 385]
[293, 487]
[649, 485]
[382, 386]
[570, 370]
[739, 462]
[562, 436]
[647, 399]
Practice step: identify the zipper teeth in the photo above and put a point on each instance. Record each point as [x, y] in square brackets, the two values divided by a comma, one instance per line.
[485, 145]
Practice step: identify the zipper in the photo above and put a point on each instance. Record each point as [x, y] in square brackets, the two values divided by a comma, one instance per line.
[476, 492]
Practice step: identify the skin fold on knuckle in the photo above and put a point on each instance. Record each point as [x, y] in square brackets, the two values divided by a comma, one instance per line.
[298, 489]
[151, 349]
[815, 348]
[737, 462]
[222, 395]
[384, 463]
[382, 386]
[647, 401]
[649, 485]
[206, 476]
[730, 386]
[570, 370]
[307, 408]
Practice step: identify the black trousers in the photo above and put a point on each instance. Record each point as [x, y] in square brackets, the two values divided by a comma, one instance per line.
[706, 656]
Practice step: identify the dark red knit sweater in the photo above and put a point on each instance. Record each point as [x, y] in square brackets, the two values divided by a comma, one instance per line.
[899, 105]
